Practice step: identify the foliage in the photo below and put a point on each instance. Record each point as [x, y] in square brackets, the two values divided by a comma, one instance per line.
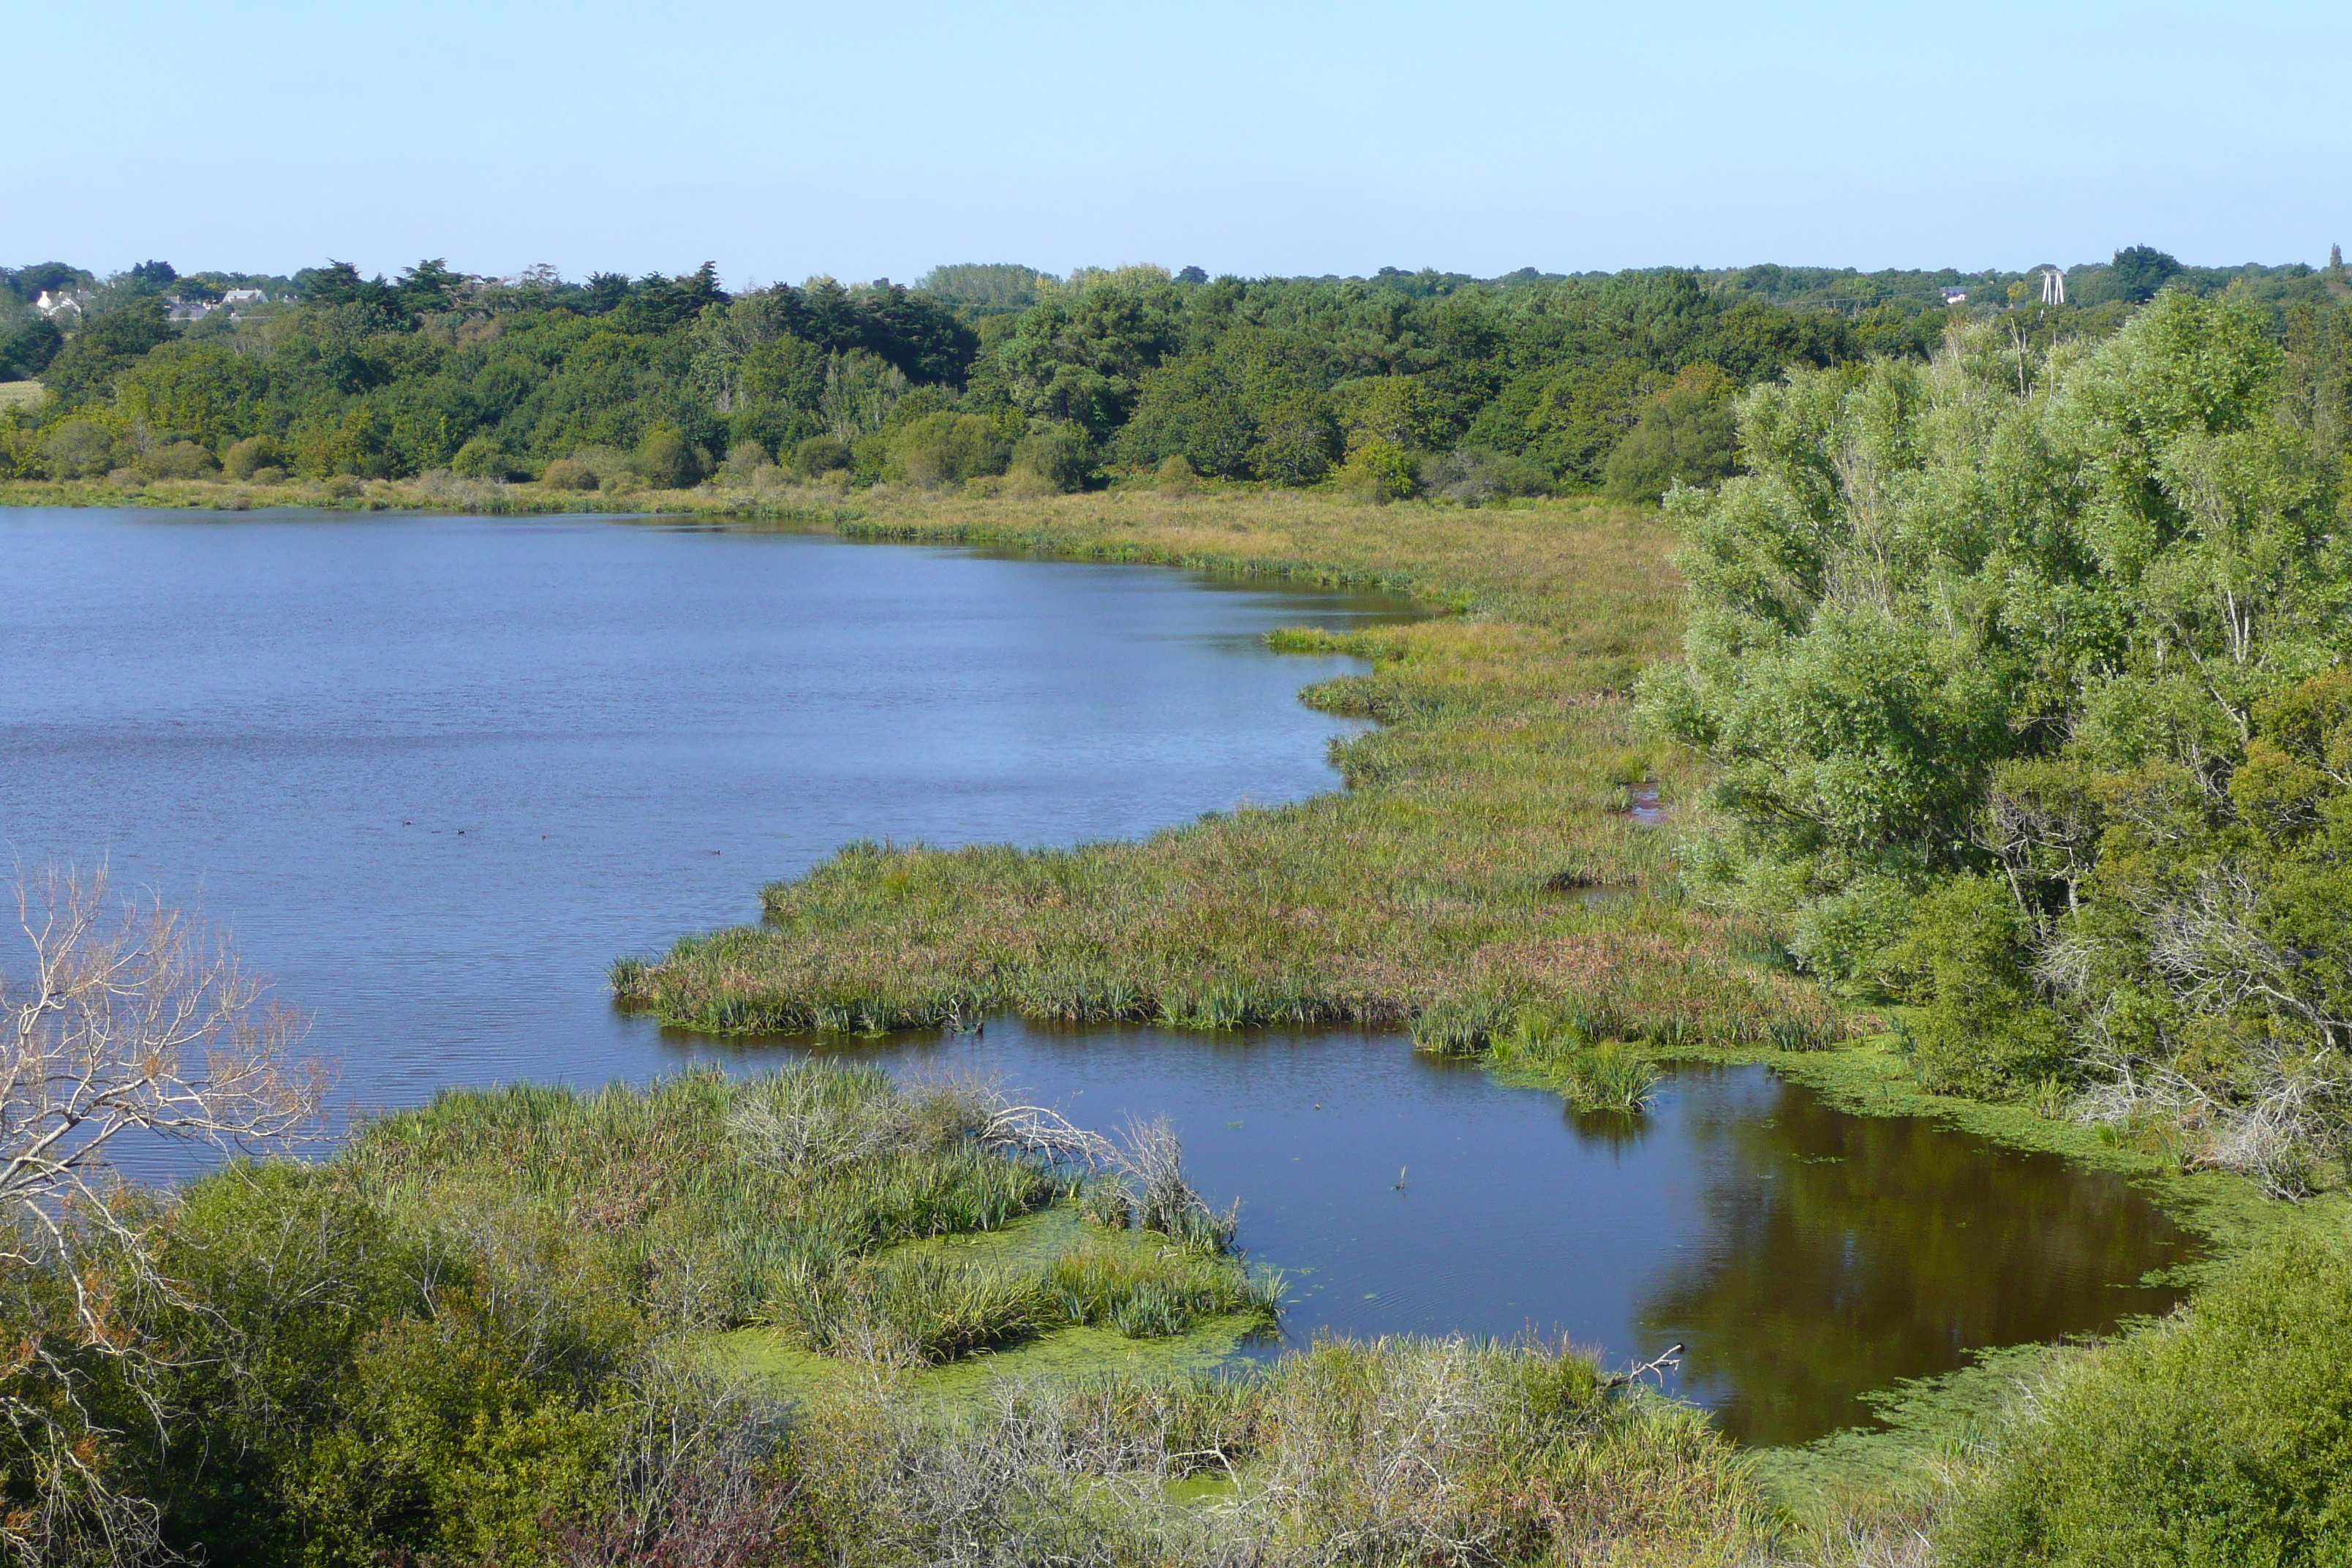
[1519, 387]
[472, 1333]
[2222, 1436]
[2021, 673]
[1684, 435]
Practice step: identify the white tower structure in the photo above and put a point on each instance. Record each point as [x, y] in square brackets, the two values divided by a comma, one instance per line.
[2053, 287]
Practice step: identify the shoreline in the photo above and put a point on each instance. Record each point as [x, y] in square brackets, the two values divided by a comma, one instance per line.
[1459, 685]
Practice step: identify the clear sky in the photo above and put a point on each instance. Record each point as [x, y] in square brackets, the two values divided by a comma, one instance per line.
[868, 141]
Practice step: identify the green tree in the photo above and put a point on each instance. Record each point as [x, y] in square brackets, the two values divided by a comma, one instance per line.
[84, 371]
[1687, 433]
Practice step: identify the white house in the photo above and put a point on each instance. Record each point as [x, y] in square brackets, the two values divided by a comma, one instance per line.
[1955, 296]
[244, 297]
[50, 304]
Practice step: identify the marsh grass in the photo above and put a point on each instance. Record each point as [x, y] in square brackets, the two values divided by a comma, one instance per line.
[1435, 891]
[1560, 1051]
[1386, 1452]
[798, 1199]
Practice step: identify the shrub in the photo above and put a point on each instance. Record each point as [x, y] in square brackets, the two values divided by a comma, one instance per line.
[247, 457]
[1474, 478]
[1844, 936]
[948, 448]
[1982, 1031]
[2222, 1436]
[1687, 434]
[667, 460]
[78, 449]
[746, 461]
[180, 460]
[1379, 471]
[1176, 476]
[1050, 460]
[481, 459]
[568, 474]
[819, 455]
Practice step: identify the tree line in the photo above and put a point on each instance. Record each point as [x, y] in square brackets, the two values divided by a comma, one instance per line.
[1401, 384]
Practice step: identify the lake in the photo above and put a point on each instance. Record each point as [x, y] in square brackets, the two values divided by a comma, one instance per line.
[437, 772]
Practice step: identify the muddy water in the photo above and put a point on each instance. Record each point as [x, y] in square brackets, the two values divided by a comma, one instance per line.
[437, 772]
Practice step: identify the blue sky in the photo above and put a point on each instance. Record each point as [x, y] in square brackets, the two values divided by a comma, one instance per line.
[870, 140]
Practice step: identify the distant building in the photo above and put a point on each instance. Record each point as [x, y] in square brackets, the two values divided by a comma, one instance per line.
[244, 297]
[1955, 296]
[188, 310]
[50, 304]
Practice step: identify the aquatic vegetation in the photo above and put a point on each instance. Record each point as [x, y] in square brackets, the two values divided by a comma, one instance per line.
[790, 1199]
[1433, 881]
[1591, 1072]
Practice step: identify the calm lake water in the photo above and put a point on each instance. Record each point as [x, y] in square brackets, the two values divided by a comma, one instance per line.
[437, 772]
[1803, 1255]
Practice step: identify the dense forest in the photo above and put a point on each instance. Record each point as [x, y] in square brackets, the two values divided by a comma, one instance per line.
[1399, 384]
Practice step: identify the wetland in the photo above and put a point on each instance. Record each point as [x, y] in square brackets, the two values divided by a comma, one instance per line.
[435, 772]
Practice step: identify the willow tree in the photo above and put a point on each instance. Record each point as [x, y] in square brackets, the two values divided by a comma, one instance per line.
[1983, 649]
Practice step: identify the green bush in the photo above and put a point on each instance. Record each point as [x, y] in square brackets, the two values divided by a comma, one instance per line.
[481, 459]
[819, 455]
[667, 460]
[745, 462]
[1378, 471]
[1982, 1030]
[2223, 1436]
[247, 457]
[180, 460]
[78, 449]
[1050, 460]
[1686, 434]
[939, 449]
[568, 474]
[1842, 937]
[1475, 477]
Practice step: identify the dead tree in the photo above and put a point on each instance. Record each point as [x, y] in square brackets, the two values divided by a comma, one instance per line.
[127, 1021]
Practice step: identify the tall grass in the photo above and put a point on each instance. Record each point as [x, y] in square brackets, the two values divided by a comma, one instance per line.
[702, 1203]
[1591, 1075]
[1391, 1452]
[1437, 878]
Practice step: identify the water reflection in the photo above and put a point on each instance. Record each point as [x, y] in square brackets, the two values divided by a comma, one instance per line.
[1844, 1252]
[1803, 1255]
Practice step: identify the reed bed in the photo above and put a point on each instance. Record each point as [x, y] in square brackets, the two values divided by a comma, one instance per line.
[1441, 890]
[795, 1200]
